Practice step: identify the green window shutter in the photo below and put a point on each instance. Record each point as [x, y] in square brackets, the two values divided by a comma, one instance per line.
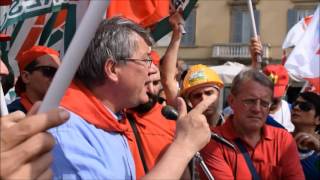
[236, 20]
[292, 18]
[190, 26]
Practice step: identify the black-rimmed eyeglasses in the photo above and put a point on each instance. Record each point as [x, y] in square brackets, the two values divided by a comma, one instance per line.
[147, 61]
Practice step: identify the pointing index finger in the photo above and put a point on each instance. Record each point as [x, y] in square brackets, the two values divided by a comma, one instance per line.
[204, 104]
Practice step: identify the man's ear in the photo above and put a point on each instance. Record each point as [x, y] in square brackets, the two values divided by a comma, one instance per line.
[25, 77]
[110, 70]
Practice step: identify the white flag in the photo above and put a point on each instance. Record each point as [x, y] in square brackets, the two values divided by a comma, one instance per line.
[304, 60]
[296, 33]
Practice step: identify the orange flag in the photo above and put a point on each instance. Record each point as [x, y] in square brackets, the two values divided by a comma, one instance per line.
[144, 12]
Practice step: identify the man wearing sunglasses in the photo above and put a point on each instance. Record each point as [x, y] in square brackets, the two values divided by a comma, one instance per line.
[37, 67]
[305, 116]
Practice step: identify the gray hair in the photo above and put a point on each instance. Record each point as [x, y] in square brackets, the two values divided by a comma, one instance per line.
[113, 40]
[250, 74]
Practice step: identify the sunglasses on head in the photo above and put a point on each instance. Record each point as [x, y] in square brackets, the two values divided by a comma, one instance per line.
[303, 106]
[47, 71]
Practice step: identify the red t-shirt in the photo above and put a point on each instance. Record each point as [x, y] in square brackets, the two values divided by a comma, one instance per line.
[274, 157]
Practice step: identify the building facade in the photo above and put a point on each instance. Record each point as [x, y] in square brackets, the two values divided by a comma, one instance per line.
[220, 30]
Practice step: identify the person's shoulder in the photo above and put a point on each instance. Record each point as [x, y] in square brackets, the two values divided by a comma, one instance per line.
[272, 122]
[73, 123]
[223, 131]
[285, 104]
[277, 132]
[225, 127]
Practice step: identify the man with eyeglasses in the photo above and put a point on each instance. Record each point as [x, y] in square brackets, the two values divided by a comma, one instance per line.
[37, 67]
[96, 142]
[260, 151]
[152, 130]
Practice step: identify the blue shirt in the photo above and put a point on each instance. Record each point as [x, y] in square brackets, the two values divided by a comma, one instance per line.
[270, 121]
[310, 164]
[86, 152]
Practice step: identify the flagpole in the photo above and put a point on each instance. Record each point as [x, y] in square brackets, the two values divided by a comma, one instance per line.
[179, 5]
[72, 58]
[254, 29]
[4, 109]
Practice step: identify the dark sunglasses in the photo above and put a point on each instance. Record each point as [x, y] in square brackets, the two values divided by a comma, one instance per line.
[303, 106]
[47, 71]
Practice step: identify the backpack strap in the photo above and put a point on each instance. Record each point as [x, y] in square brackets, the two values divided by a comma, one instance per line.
[138, 138]
[246, 156]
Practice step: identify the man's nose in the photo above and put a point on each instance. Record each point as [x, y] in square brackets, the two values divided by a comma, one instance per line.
[150, 88]
[257, 106]
[152, 69]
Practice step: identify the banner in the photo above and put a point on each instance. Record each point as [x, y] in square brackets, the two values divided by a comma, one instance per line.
[50, 23]
[304, 60]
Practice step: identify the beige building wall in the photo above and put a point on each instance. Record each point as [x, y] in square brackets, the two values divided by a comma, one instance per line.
[273, 24]
[213, 25]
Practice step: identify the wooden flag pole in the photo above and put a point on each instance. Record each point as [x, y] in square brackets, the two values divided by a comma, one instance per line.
[254, 29]
[72, 58]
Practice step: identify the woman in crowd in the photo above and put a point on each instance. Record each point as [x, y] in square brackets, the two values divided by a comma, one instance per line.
[306, 118]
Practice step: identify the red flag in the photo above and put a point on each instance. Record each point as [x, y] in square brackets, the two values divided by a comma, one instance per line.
[5, 2]
[4, 37]
[144, 12]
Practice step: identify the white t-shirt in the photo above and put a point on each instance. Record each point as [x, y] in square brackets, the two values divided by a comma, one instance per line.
[283, 116]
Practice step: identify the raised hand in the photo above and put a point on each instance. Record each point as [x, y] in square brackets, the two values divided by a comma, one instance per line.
[307, 140]
[25, 146]
[177, 22]
[255, 50]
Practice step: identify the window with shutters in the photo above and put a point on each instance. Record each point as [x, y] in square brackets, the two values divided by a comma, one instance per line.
[241, 28]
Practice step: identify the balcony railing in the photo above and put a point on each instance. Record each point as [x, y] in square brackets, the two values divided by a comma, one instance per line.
[236, 51]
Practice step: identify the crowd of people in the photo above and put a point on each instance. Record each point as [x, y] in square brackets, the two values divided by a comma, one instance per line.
[110, 124]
